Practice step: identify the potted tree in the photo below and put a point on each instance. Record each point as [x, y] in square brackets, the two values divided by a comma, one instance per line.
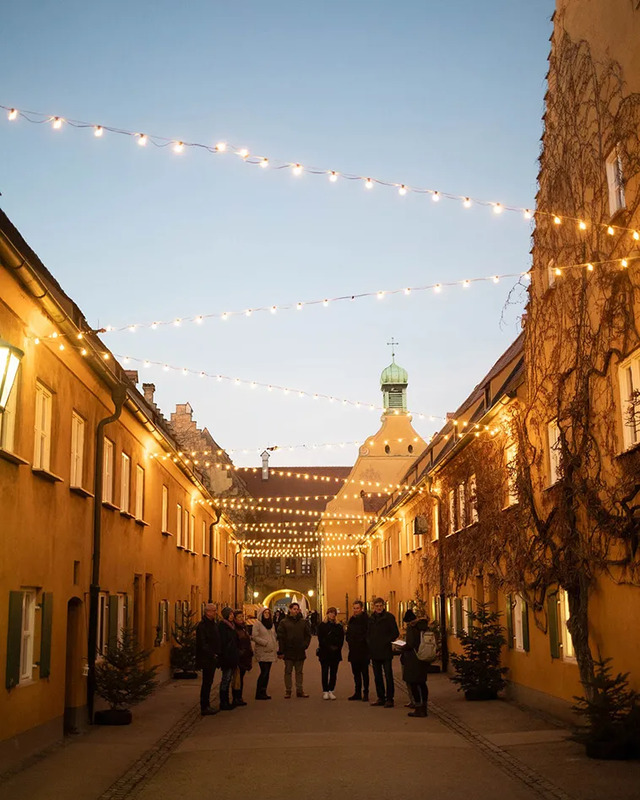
[612, 711]
[478, 669]
[183, 654]
[123, 680]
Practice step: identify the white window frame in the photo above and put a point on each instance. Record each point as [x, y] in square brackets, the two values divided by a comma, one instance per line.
[8, 421]
[107, 473]
[27, 637]
[462, 506]
[472, 500]
[205, 544]
[165, 508]
[178, 525]
[629, 381]
[451, 496]
[568, 651]
[42, 427]
[615, 181]
[436, 522]
[121, 619]
[140, 479]
[467, 606]
[77, 449]
[125, 483]
[517, 613]
[185, 529]
[511, 457]
[400, 537]
[553, 442]
[192, 534]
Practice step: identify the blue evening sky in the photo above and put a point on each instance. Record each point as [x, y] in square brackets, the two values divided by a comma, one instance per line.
[428, 92]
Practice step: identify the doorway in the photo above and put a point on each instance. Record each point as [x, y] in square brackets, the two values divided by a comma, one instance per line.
[75, 685]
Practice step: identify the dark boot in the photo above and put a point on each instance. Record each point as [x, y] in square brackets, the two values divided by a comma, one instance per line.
[225, 705]
[420, 711]
[355, 696]
[365, 696]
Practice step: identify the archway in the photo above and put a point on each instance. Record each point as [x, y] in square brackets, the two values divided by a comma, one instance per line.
[283, 597]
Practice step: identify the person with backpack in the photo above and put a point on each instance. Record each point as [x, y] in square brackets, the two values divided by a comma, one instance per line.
[417, 654]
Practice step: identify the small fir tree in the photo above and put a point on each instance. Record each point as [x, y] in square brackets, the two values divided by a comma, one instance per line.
[183, 656]
[612, 712]
[478, 669]
[122, 678]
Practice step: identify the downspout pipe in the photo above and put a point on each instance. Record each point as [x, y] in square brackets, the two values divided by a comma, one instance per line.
[235, 589]
[118, 395]
[218, 514]
[363, 553]
[444, 644]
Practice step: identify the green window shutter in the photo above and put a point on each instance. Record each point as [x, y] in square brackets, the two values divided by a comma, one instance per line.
[510, 621]
[46, 626]
[525, 627]
[459, 631]
[469, 612]
[113, 620]
[552, 613]
[14, 639]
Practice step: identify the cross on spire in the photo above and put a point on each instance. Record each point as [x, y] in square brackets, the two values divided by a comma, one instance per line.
[392, 344]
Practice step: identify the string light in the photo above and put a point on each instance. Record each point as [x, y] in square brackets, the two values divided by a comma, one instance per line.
[98, 131]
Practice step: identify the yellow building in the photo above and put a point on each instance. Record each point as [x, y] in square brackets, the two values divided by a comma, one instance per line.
[102, 523]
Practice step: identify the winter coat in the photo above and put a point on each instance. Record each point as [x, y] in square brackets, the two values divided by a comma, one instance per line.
[245, 651]
[207, 643]
[265, 642]
[382, 630]
[414, 670]
[330, 641]
[229, 655]
[294, 636]
[357, 637]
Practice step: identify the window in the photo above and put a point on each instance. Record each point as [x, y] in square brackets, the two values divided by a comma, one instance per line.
[103, 624]
[121, 615]
[139, 492]
[42, 449]
[179, 525]
[472, 500]
[518, 632]
[185, 529]
[568, 651]
[107, 473]
[28, 631]
[400, 537]
[553, 439]
[125, 483]
[452, 511]
[205, 549]
[290, 566]
[615, 181]
[462, 506]
[511, 456]
[8, 421]
[629, 378]
[77, 449]
[276, 565]
[551, 272]
[163, 622]
[192, 534]
[165, 508]
[305, 566]
[436, 523]
[467, 610]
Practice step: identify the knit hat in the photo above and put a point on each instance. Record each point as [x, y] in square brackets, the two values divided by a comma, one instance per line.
[409, 616]
[226, 612]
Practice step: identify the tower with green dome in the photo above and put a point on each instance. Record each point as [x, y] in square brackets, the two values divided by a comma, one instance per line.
[393, 383]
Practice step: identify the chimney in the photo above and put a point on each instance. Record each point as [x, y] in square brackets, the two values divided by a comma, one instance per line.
[149, 390]
[265, 465]
[132, 374]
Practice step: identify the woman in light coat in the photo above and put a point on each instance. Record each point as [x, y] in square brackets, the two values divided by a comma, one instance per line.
[265, 649]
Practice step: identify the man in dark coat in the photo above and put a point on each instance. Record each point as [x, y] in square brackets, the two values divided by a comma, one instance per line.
[359, 651]
[207, 654]
[229, 656]
[294, 636]
[382, 630]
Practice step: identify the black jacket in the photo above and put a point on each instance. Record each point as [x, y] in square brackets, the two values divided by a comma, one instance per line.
[207, 643]
[414, 670]
[330, 641]
[382, 630]
[357, 637]
[294, 636]
[229, 655]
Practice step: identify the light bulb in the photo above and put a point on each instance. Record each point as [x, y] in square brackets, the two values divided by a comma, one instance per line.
[142, 139]
[199, 319]
[582, 225]
[368, 183]
[590, 267]
[221, 147]
[610, 231]
[466, 284]
[437, 288]
[528, 213]
[243, 153]
[325, 303]
[57, 122]
[132, 328]
[497, 208]
[98, 131]
[83, 351]
[407, 290]
[380, 295]
[333, 177]
[402, 190]
[61, 347]
[298, 306]
[557, 271]
[177, 322]
[146, 364]
[624, 263]
[467, 202]
[224, 316]
[297, 169]
[557, 220]
[248, 312]
[178, 147]
[274, 309]
[435, 197]
[264, 163]
[13, 113]
[636, 235]
[154, 326]
[496, 279]
[106, 356]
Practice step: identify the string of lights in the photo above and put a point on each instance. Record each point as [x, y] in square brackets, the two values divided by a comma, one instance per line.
[297, 169]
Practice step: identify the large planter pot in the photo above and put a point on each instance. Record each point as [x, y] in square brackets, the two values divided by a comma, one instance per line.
[611, 751]
[480, 693]
[113, 716]
[184, 675]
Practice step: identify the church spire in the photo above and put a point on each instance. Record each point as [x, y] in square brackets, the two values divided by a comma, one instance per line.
[393, 383]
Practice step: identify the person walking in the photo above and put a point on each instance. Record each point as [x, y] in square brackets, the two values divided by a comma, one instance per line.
[294, 637]
[245, 657]
[277, 617]
[359, 651]
[381, 631]
[415, 671]
[330, 641]
[229, 656]
[207, 655]
[265, 646]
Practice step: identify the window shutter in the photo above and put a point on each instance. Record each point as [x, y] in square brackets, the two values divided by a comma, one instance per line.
[46, 625]
[125, 615]
[159, 626]
[552, 613]
[459, 628]
[14, 639]
[113, 621]
[525, 626]
[510, 621]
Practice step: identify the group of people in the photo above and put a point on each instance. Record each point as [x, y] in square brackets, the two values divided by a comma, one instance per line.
[229, 644]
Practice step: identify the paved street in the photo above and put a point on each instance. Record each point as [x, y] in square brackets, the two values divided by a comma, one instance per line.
[321, 749]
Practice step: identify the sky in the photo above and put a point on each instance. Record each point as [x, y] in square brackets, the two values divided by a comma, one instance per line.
[440, 95]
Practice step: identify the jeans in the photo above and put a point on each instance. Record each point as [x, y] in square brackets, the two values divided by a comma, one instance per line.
[360, 671]
[419, 693]
[329, 675]
[378, 668]
[225, 685]
[205, 689]
[263, 677]
[289, 666]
